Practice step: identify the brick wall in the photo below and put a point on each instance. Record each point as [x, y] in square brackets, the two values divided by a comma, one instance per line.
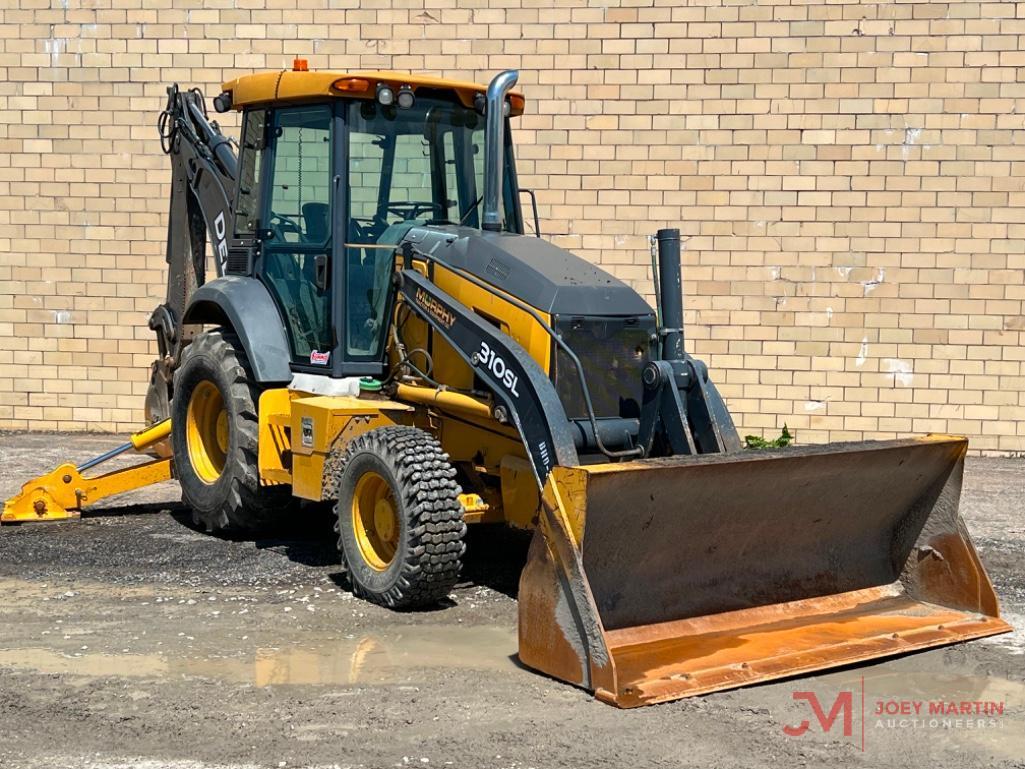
[849, 176]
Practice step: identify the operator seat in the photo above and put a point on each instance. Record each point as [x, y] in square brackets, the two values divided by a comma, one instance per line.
[317, 218]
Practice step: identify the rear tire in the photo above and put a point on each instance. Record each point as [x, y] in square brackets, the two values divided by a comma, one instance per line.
[214, 431]
[399, 521]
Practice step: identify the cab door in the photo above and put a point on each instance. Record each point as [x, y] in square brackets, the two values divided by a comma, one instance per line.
[296, 225]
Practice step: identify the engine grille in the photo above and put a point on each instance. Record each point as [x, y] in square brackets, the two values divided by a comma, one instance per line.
[613, 352]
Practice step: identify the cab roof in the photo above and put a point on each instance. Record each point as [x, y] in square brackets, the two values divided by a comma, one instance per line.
[292, 85]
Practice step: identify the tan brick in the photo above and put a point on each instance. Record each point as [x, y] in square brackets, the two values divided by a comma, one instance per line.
[846, 175]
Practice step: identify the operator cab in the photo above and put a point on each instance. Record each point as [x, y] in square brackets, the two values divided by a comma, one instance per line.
[369, 155]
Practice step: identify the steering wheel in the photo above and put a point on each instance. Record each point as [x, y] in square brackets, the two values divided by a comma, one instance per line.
[413, 208]
[282, 225]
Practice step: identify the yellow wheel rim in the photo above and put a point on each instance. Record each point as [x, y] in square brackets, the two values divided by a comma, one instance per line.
[206, 431]
[375, 521]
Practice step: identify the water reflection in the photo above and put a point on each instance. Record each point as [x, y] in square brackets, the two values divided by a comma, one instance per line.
[368, 659]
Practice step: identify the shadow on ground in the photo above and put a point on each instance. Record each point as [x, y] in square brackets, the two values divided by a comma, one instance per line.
[495, 553]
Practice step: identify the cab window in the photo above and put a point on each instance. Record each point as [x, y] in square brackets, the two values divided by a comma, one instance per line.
[406, 167]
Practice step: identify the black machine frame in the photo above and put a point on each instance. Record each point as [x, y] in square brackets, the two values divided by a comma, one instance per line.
[681, 413]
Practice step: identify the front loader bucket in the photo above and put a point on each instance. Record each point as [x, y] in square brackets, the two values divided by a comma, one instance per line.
[653, 580]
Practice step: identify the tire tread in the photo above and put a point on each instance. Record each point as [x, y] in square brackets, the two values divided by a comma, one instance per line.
[432, 558]
[247, 506]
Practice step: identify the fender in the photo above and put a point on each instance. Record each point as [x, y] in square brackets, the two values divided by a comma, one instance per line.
[245, 304]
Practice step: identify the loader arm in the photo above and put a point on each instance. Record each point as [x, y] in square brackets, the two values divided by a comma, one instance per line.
[530, 401]
[204, 170]
[528, 398]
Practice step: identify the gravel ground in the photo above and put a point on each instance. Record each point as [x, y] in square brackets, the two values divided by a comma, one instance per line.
[130, 639]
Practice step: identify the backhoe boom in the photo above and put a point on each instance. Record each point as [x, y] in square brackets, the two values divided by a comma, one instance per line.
[204, 168]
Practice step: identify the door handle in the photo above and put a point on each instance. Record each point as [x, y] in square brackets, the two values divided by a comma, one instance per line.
[321, 269]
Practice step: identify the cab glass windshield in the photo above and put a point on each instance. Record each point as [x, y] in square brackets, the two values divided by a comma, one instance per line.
[408, 167]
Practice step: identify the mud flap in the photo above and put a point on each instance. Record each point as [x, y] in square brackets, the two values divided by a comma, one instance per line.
[653, 580]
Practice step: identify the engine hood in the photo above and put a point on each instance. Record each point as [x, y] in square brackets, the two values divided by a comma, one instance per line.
[534, 271]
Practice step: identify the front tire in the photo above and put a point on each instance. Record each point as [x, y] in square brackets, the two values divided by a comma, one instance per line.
[399, 521]
[214, 431]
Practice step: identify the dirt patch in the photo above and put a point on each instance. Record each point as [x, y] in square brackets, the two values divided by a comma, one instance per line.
[130, 639]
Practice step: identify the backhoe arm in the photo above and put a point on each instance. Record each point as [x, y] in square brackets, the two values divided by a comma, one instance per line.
[204, 171]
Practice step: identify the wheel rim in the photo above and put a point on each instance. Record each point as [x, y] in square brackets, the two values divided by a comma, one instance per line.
[375, 520]
[206, 431]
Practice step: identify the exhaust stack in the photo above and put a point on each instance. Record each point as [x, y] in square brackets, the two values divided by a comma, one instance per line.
[670, 290]
[494, 147]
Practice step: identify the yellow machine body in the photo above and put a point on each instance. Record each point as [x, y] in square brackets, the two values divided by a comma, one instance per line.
[646, 580]
[652, 580]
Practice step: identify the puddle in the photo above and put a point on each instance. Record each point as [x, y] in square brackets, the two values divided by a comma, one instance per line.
[367, 659]
[944, 686]
[92, 665]
[1010, 642]
[19, 593]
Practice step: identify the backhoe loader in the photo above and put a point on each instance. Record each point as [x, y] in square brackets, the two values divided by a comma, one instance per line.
[383, 332]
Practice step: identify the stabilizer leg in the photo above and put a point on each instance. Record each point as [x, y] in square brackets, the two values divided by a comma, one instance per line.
[62, 493]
